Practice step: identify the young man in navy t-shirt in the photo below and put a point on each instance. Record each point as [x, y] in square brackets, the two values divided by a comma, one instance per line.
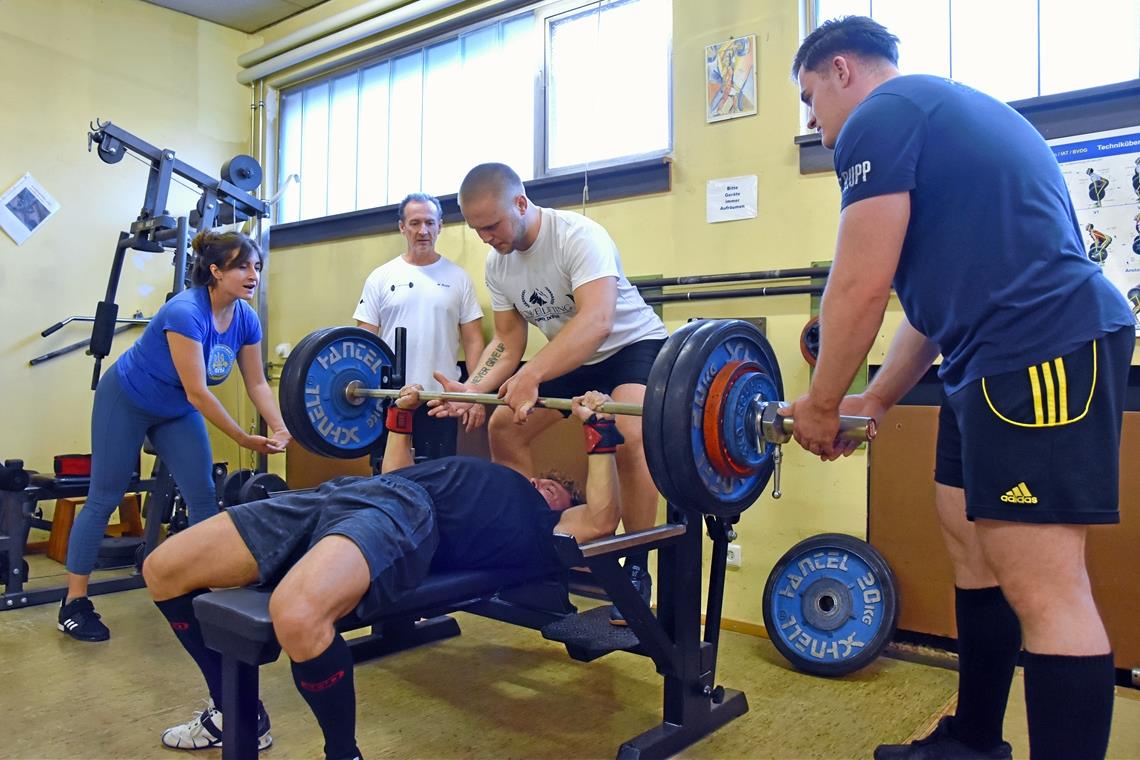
[954, 199]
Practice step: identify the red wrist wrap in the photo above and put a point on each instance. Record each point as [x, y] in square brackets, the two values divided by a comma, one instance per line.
[399, 420]
[602, 436]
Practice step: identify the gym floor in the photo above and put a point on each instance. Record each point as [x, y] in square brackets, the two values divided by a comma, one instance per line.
[496, 691]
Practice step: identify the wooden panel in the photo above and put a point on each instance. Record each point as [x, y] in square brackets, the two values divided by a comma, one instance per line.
[304, 469]
[902, 522]
[903, 526]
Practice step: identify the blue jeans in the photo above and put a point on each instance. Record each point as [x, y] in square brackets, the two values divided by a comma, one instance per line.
[118, 427]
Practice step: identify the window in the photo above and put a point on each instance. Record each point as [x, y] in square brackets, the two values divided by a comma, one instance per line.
[545, 91]
[1012, 49]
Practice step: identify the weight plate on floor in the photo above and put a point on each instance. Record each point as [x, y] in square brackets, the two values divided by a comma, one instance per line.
[830, 605]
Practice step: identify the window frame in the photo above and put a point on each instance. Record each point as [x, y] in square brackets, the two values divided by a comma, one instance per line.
[1063, 114]
[644, 173]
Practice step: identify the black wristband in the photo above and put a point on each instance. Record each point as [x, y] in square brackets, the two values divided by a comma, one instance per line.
[602, 435]
[399, 420]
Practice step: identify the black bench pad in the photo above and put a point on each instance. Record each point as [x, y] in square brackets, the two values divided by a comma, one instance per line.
[236, 621]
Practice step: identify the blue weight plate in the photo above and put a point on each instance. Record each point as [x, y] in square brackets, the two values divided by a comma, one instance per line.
[830, 605]
[702, 488]
[653, 409]
[736, 429]
[312, 394]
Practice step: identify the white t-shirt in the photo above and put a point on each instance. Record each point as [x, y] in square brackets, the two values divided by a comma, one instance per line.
[431, 302]
[539, 283]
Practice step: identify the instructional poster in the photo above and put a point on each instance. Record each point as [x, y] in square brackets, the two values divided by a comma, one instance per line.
[1102, 171]
[24, 207]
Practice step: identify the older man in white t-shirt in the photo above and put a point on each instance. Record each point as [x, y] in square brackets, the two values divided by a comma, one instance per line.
[435, 300]
[560, 271]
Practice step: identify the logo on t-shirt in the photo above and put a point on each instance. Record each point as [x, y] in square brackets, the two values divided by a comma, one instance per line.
[220, 363]
[540, 297]
[540, 304]
[853, 175]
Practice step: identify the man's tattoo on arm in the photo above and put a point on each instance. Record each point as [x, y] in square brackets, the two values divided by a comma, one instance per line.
[496, 354]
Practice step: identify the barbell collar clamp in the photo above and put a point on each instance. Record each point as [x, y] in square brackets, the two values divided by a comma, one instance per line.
[775, 428]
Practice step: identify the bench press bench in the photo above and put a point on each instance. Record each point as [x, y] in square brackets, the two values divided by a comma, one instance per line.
[236, 623]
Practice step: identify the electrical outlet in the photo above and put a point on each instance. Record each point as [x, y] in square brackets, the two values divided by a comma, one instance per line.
[734, 555]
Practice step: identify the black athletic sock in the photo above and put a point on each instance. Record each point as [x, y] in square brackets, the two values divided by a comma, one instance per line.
[326, 684]
[989, 639]
[1069, 703]
[179, 611]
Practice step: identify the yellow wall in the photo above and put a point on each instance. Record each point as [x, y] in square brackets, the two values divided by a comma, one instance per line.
[318, 285]
[163, 76]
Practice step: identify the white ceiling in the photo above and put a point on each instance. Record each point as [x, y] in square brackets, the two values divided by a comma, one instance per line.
[247, 16]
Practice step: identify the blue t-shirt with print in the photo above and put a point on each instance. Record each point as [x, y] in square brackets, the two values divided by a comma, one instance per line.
[993, 268]
[146, 368]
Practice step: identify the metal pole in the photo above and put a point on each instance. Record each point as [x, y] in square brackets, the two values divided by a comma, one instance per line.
[775, 429]
[708, 295]
[704, 279]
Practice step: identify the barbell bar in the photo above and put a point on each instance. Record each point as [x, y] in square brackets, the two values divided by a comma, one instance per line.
[774, 428]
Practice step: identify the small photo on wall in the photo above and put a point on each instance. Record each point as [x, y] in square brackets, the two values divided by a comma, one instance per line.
[24, 208]
[730, 78]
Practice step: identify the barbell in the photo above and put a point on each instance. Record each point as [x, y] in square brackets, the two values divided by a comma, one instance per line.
[710, 424]
[774, 428]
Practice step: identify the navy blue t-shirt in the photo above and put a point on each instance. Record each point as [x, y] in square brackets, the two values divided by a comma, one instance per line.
[487, 515]
[146, 369]
[993, 268]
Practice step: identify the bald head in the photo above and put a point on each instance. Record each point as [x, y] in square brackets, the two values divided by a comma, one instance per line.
[497, 181]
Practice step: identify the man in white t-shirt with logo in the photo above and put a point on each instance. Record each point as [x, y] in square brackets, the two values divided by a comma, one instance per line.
[561, 272]
[435, 300]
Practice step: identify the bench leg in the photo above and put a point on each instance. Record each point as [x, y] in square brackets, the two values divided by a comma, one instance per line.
[239, 709]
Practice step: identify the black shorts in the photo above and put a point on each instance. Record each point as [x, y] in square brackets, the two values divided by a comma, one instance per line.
[1041, 444]
[629, 366]
[389, 518]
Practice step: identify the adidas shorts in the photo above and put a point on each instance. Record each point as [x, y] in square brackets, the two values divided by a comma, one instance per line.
[1041, 444]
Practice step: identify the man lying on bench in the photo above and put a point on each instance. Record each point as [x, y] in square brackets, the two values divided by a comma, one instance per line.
[361, 543]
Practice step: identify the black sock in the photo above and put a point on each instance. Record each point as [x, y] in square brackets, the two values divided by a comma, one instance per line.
[989, 639]
[1069, 703]
[180, 612]
[326, 684]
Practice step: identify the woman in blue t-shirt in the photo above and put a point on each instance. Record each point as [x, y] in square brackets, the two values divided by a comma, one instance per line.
[159, 388]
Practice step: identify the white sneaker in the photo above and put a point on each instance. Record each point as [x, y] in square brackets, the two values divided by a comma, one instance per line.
[204, 731]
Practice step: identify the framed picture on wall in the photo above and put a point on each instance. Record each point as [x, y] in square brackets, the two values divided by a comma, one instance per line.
[730, 78]
[24, 207]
